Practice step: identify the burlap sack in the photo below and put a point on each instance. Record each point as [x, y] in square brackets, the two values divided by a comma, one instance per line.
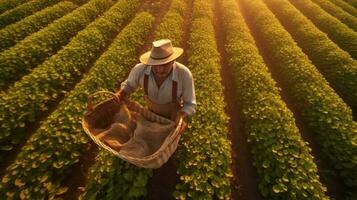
[133, 134]
[151, 141]
[120, 130]
[148, 137]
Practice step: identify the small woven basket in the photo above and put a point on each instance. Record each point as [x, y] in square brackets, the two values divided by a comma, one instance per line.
[101, 116]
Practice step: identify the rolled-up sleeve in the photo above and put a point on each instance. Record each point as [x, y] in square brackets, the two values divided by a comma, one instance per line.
[132, 82]
[188, 94]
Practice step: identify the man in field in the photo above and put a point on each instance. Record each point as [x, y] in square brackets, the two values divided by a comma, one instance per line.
[168, 85]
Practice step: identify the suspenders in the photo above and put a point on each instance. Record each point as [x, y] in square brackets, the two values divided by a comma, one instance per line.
[174, 88]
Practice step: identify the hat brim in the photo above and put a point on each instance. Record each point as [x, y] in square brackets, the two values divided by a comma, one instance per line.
[146, 59]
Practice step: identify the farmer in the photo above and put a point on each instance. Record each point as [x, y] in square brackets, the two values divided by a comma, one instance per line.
[168, 85]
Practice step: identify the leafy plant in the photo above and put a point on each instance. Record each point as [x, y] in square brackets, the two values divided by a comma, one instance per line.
[23, 11]
[337, 12]
[37, 91]
[46, 159]
[10, 4]
[345, 6]
[281, 157]
[203, 155]
[33, 50]
[336, 65]
[321, 109]
[13, 33]
[345, 37]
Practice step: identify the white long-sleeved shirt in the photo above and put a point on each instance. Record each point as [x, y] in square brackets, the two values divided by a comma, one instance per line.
[180, 73]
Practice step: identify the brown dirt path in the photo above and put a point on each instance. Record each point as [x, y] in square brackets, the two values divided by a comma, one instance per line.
[244, 183]
[333, 182]
[164, 180]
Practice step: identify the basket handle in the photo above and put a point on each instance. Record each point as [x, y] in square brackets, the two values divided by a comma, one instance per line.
[90, 98]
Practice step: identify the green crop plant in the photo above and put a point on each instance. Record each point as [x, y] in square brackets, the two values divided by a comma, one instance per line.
[281, 157]
[10, 4]
[14, 33]
[321, 109]
[339, 13]
[34, 49]
[338, 32]
[23, 11]
[345, 6]
[46, 159]
[337, 66]
[203, 156]
[37, 91]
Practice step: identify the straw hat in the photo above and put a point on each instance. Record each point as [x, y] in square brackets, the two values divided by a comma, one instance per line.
[162, 52]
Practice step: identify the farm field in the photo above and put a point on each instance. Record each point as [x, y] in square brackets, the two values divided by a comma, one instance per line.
[275, 83]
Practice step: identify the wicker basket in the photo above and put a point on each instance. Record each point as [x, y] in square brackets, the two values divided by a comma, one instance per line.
[101, 116]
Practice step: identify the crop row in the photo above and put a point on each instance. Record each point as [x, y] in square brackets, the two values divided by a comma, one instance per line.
[112, 178]
[10, 4]
[338, 12]
[46, 160]
[103, 180]
[322, 110]
[203, 156]
[13, 33]
[172, 24]
[345, 6]
[352, 3]
[33, 50]
[338, 32]
[24, 10]
[335, 64]
[285, 166]
[37, 91]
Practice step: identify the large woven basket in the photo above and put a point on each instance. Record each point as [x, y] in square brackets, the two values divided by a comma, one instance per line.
[101, 114]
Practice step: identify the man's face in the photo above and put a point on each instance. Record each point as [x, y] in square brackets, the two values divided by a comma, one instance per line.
[161, 71]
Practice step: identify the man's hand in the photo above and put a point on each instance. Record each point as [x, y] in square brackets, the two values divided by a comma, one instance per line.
[181, 115]
[121, 95]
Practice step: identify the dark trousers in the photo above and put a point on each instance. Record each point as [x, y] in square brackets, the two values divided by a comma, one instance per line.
[163, 182]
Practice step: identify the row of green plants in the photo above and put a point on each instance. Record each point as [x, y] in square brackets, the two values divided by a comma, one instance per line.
[339, 13]
[112, 178]
[14, 33]
[172, 24]
[321, 109]
[204, 152]
[352, 3]
[10, 4]
[25, 102]
[285, 166]
[338, 32]
[23, 11]
[336, 65]
[34, 49]
[345, 6]
[103, 180]
[47, 158]
[80, 2]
